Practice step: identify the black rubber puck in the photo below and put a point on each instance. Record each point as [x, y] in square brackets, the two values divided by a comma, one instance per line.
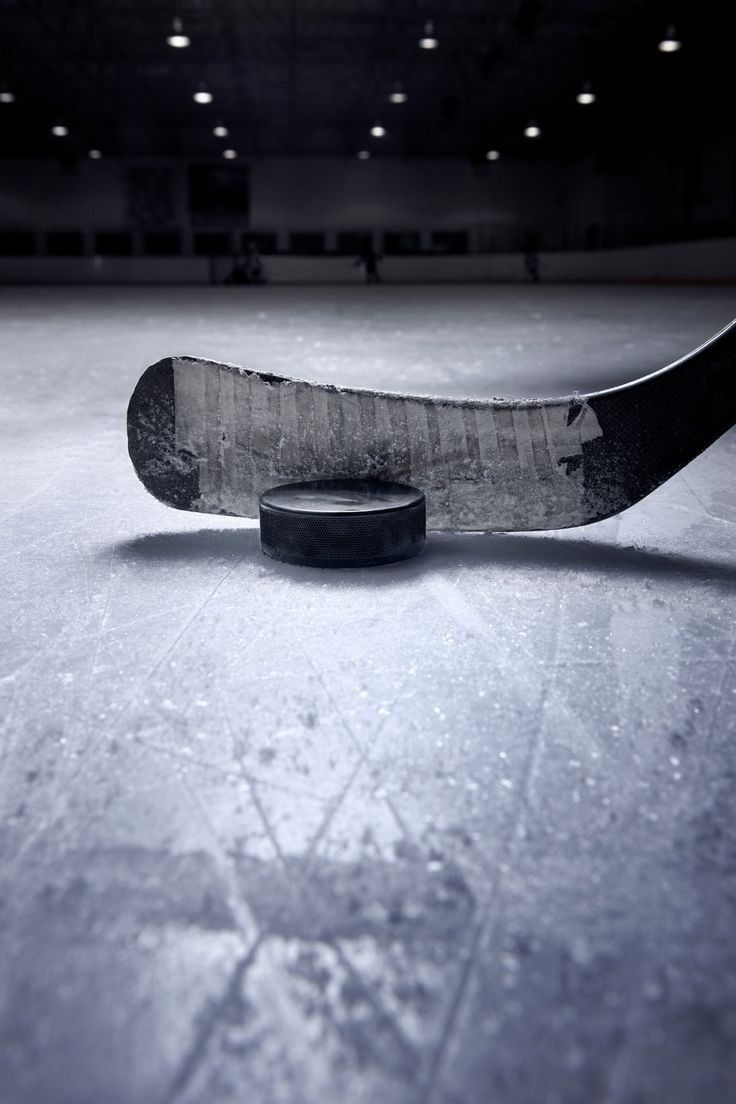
[342, 523]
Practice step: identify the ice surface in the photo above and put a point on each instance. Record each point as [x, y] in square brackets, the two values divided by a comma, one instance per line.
[457, 830]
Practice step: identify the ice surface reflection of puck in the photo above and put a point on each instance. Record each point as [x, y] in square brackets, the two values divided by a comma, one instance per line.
[342, 522]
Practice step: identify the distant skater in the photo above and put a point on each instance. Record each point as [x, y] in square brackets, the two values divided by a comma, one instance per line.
[247, 268]
[369, 260]
[531, 256]
[531, 266]
[254, 264]
[237, 274]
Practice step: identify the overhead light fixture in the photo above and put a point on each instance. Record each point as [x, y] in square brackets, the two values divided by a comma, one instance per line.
[378, 130]
[229, 154]
[586, 95]
[59, 131]
[429, 40]
[177, 38]
[532, 130]
[364, 155]
[203, 95]
[670, 44]
[220, 131]
[492, 155]
[398, 96]
[95, 155]
[6, 97]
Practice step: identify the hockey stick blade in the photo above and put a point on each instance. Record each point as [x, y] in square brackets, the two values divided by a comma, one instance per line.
[211, 437]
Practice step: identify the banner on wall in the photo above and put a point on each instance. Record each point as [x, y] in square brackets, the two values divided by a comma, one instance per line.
[150, 196]
[219, 193]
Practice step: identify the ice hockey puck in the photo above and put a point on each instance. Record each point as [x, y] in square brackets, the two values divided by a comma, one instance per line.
[342, 522]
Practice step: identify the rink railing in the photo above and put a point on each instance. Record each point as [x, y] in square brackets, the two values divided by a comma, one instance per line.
[701, 261]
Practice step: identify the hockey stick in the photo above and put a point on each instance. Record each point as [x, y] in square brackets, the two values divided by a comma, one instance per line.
[211, 437]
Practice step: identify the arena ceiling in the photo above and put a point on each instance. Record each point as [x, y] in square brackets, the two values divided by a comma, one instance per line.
[310, 77]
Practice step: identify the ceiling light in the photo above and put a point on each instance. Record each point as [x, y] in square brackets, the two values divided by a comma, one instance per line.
[586, 95]
[364, 155]
[177, 39]
[203, 95]
[378, 130]
[95, 154]
[59, 131]
[670, 44]
[6, 97]
[492, 155]
[220, 131]
[229, 154]
[532, 130]
[428, 41]
[398, 96]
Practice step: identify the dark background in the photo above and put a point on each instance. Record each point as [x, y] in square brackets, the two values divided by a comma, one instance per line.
[299, 85]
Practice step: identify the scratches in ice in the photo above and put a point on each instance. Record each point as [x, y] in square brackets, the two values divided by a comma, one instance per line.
[67, 779]
[491, 907]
